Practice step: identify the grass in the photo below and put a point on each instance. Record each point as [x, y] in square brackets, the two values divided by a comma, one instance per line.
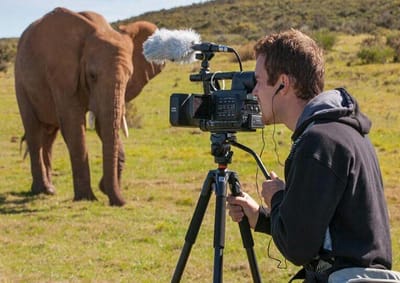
[52, 239]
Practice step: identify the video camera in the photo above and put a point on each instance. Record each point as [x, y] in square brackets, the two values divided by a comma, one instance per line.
[217, 110]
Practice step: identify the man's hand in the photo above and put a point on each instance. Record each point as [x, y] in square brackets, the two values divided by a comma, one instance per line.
[270, 187]
[239, 206]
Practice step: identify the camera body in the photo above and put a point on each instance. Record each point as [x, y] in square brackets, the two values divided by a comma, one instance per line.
[218, 110]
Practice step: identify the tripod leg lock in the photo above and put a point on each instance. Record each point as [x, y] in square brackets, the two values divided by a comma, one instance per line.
[235, 184]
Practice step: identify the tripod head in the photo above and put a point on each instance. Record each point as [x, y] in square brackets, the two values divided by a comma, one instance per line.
[221, 147]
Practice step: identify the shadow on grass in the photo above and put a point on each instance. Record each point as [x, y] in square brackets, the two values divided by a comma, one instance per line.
[16, 202]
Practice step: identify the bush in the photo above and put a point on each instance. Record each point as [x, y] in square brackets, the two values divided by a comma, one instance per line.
[376, 54]
[246, 52]
[3, 66]
[133, 119]
[8, 50]
[325, 39]
[375, 50]
[393, 40]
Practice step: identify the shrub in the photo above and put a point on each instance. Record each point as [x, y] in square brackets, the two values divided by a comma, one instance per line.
[374, 50]
[3, 66]
[376, 54]
[393, 40]
[247, 52]
[133, 119]
[8, 49]
[325, 39]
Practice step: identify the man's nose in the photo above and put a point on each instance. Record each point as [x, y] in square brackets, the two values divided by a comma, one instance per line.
[254, 92]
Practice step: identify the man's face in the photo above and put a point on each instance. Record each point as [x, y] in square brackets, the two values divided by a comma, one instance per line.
[264, 92]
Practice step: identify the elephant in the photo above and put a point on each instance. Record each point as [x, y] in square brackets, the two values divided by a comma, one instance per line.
[67, 64]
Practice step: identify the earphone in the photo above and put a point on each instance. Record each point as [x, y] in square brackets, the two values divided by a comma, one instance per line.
[280, 87]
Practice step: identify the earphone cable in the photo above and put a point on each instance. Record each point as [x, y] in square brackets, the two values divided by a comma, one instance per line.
[281, 264]
[273, 134]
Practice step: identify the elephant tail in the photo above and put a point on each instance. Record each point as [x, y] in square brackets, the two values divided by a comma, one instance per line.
[21, 142]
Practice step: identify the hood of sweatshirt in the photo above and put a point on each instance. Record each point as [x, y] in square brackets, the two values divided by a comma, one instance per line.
[333, 105]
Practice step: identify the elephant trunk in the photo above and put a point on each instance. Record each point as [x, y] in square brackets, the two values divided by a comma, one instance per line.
[124, 123]
[113, 155]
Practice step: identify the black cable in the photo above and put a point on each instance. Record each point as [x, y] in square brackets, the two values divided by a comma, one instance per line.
[238, 58]
[261, 153]
[281, 264]
[273, 133]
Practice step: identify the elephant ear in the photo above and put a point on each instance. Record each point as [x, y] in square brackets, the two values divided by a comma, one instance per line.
[59, 39]
[143, 71]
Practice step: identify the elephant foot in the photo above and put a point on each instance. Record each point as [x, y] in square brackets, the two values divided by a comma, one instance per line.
[85, 196]
[114, 198]
[102, 188]
[43, 189]
[117, 201]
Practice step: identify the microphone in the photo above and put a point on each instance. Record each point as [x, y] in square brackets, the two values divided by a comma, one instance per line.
[177, 46]
[173, 45]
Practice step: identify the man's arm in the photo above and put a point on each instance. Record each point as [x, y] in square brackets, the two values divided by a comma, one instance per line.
[301, 214]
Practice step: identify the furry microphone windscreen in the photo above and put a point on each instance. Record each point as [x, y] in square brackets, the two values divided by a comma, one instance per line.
[173, 45]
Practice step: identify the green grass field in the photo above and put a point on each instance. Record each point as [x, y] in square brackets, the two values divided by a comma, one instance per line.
[52, 239]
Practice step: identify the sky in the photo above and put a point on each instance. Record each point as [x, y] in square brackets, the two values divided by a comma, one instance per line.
[16, 15]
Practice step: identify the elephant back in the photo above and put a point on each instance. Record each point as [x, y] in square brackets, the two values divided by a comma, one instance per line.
[57, 33]
[97, 20]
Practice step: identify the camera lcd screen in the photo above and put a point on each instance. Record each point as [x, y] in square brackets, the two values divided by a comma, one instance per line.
[201, 106]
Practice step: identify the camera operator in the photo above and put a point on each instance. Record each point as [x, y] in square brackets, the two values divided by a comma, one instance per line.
[330, 216]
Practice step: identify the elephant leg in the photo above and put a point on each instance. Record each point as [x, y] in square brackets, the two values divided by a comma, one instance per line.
[35, 132]
[39, 144]
[73, 131]
[101, 183]
[48, 138]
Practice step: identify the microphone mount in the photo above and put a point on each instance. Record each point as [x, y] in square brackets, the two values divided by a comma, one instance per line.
[211, 47]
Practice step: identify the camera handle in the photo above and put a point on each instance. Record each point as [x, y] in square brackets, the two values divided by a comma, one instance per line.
[217, 181]
[205, 69]
[256, 157]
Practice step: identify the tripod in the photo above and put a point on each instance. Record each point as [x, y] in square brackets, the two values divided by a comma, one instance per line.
[217, 180]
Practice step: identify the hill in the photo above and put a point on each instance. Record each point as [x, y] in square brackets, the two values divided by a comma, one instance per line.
[237, 21]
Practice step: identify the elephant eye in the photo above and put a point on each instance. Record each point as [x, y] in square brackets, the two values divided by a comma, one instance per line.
[93, 76]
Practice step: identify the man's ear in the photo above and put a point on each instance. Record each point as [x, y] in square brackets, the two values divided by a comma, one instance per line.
[284, 82]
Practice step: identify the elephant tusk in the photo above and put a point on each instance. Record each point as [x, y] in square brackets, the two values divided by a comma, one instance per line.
[91, 119]
[125, 126]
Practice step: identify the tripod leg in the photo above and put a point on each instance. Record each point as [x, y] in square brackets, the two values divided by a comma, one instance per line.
[245, 232]
[219, 224]
[194, 226]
